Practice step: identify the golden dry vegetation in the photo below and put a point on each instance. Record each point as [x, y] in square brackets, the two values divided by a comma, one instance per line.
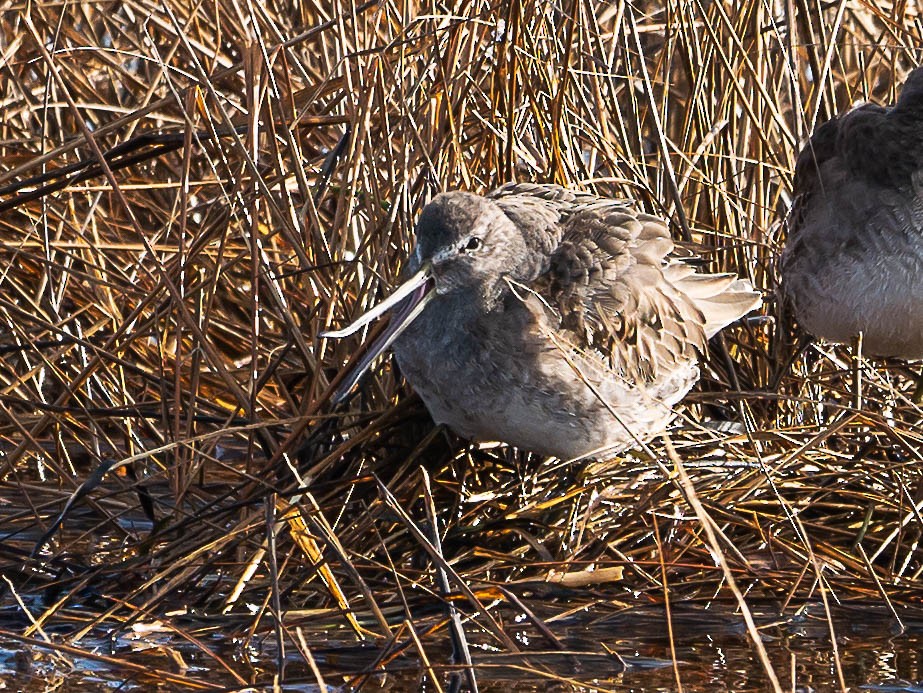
[191, 192]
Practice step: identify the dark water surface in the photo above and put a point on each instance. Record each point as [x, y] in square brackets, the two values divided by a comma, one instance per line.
[712, 650]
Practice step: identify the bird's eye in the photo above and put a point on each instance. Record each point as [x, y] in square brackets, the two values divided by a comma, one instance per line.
[472, 243]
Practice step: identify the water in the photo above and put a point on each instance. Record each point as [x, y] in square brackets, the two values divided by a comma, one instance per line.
[712, 651]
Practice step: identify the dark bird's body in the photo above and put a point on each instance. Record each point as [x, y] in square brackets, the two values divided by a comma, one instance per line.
[552, 320]
[853, 260]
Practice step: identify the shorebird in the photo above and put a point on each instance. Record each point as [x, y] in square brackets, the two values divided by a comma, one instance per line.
[552, 320]
[853, 260]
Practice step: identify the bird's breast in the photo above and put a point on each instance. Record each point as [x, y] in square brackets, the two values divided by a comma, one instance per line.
[512, 376]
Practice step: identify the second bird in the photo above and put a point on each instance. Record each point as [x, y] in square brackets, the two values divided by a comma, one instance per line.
[553, 320]
[853, 261]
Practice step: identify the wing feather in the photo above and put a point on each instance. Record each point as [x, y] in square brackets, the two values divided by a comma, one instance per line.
[618, 284]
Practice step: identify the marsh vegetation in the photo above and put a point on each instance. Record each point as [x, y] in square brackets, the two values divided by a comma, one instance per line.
[191, 192]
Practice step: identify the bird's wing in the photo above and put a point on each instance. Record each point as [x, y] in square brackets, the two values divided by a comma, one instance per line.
[881, 146]
[619, 288]
[817, 156]
[617, 283]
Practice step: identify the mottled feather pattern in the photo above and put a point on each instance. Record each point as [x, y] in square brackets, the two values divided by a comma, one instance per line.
[853, 260]
[606, 280]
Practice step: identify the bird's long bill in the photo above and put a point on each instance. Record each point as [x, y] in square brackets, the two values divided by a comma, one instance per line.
[418, 290]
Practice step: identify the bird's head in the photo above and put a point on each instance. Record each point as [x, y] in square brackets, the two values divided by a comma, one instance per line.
[465, 242]
[466, 247]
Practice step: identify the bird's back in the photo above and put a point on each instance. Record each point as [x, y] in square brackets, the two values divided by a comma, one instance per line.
[619, 284]
[853, 260]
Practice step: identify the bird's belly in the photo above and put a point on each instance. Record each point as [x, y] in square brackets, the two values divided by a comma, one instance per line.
[538, 401]
[839, 289]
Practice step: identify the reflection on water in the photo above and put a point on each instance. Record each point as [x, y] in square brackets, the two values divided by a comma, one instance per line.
[712, 648]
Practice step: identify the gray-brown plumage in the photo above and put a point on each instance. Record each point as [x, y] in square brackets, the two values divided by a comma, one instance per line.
[853, 261]
[552, 320]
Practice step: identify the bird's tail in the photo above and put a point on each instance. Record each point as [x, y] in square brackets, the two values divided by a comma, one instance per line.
[722, 298]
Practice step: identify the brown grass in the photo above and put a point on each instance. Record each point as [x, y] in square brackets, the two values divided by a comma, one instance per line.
[160, 314]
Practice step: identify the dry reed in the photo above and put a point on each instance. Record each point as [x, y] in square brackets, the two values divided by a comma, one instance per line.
[160, 308]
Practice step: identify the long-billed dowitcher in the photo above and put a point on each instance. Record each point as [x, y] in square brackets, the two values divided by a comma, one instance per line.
[853, 261]
[553, 320]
